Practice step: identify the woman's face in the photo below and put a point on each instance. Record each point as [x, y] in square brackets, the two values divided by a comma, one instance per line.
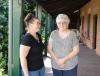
[62, 25]
[35, 25]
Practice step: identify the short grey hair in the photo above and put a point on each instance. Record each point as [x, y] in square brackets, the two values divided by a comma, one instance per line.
[62, 17]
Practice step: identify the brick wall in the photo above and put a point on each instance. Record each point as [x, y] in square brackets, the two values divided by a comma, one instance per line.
[92, 8]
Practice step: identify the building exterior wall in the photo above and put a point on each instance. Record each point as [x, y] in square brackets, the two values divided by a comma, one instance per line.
[91, 8]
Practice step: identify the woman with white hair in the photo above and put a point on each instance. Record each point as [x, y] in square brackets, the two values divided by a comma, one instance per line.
[63, 47]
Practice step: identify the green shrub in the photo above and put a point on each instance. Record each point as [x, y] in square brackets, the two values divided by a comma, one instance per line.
[4, 35]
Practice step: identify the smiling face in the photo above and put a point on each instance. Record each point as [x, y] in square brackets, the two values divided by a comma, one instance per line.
[62, 24]
[35, 25]
[62, 21]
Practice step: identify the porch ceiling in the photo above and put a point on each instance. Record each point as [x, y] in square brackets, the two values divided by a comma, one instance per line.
[55, 7]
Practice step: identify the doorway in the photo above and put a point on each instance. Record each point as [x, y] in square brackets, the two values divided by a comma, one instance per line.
[94, 31]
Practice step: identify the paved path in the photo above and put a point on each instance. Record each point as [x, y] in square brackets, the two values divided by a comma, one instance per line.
[89, 62]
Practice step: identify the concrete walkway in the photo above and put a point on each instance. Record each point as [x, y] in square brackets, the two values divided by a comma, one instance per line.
[89, 63]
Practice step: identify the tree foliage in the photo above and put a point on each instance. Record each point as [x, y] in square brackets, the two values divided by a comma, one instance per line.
[3, 34]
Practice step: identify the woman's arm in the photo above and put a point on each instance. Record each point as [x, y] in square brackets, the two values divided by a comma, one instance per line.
[71, 55]
[24, 50]
[54, 56]
[50, 50]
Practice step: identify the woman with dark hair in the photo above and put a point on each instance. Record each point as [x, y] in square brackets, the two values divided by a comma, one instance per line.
[31, 48]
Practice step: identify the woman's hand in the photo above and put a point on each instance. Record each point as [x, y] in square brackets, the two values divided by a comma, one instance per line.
[60, 62]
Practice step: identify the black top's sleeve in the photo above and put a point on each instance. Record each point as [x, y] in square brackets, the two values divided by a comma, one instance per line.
[26, 40]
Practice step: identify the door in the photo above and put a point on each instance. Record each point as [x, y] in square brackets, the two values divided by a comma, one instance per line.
[94, 31]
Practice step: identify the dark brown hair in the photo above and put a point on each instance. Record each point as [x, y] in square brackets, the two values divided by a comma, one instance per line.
[29, 19]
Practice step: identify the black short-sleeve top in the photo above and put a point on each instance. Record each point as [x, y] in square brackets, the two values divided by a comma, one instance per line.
[34, 57]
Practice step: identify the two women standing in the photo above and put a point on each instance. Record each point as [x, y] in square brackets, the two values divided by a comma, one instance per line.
[63, 47]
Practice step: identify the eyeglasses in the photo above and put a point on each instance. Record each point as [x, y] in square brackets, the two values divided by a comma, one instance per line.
[63, 23]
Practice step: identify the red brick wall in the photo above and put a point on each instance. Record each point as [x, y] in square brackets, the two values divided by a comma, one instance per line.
[92, 8]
